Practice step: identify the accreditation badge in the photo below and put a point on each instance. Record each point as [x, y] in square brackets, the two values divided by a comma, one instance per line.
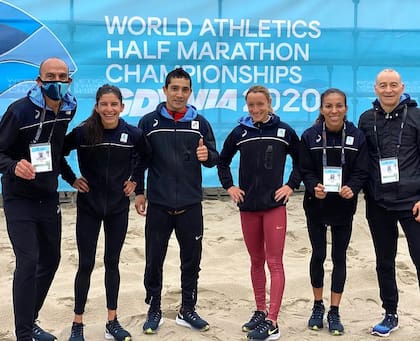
[332, 177]
[41, 157]
[389, 170]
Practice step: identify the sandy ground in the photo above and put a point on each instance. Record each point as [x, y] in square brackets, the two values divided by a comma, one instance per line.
[225, 295]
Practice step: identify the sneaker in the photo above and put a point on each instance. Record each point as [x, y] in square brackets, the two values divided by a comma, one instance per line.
[77, 332]
[192, 320]
[153, 321]
[38, 334]
[388, 325]
[113, 330]
[255, 320]
[334, 324]
[264, 331]
[316, 321]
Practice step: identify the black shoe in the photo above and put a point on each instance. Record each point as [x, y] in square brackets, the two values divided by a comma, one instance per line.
[254, 321]
[316, 321]
[335, 326]
[153, 321]
[113, 330]
[192, 320]
[39, 334]
[264, 331]
[77, 332]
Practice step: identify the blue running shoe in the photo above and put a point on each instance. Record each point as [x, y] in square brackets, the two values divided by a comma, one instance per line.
[254, 321]
[38, 334]
[316, 321]
[264, 331]
[77, 332]
[386, 326]
[153, 321]
[335, 326]
[114, 331]
[192, 320]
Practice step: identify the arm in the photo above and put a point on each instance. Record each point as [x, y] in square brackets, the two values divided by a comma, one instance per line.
[308, 168]
[210, 143]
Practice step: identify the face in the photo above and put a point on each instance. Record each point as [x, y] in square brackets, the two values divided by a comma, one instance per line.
[389, 89]
[54, 69]
[334, 110]
[259, 106]
[177, 94]
[109, 108]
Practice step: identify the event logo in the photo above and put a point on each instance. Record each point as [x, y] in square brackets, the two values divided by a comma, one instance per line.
[25, 43]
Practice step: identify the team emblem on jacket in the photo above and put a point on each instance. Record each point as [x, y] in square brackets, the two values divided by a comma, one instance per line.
[318, 139]
[195, 125]
[37, 114]
[281, 132]
[244, 133]
[124, 137]
[155, 122]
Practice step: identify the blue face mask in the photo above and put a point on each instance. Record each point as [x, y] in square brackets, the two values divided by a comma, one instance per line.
[55, 90]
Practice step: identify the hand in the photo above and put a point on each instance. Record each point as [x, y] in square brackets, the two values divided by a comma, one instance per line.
[140, 204]
[346, 192]
[416, 211]
[283, 192]
[236, 194]
[319, 191]
[202, 151]
[129, 187]
[25, 170]
[81, 184]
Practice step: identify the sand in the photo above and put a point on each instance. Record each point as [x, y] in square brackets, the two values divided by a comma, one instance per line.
[225, 297]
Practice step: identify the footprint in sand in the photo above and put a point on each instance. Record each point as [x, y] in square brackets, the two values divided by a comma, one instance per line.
[405, 274]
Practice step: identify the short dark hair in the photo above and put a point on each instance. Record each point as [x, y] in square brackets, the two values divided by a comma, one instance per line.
[177, 73]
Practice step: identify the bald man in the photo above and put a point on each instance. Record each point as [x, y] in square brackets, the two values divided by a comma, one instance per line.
[392, 193]
[32, 132]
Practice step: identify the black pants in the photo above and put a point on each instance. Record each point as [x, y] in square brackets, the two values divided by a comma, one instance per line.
[34, 228]
[384, 229]
[87, 231]
[188, 226]
[340, 238]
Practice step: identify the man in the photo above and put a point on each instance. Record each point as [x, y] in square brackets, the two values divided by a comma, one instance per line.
[392, 129]
[32, 127]
[181, 141]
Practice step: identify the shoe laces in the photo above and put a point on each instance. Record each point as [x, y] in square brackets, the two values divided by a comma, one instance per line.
[192, 315]
[258, 315]
[154, 315]
[264, 326]
[390, 321]
[115, 326]
[334, 318]
[77, 329]
[318, 311]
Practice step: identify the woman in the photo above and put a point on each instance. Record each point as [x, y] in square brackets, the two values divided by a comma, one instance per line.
[333, 163]
[107, 148]
[263, 142]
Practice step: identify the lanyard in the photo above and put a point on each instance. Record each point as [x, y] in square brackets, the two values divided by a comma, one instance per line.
[41, 123]
[324, 145]
[375, 130]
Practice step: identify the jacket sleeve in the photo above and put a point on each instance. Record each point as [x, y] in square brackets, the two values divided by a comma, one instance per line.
[210, 143]
[294, 150]
[225, 159]
[360, 172]
[9, 128]
[307, 167]
[141, 161]
[70, 143]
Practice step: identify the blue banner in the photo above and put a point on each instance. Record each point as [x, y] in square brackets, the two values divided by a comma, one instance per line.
[295, 48]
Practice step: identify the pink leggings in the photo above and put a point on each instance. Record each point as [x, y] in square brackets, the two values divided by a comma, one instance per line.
[264, 235]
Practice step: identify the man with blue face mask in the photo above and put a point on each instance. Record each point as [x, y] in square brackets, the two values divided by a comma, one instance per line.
[32, 132]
